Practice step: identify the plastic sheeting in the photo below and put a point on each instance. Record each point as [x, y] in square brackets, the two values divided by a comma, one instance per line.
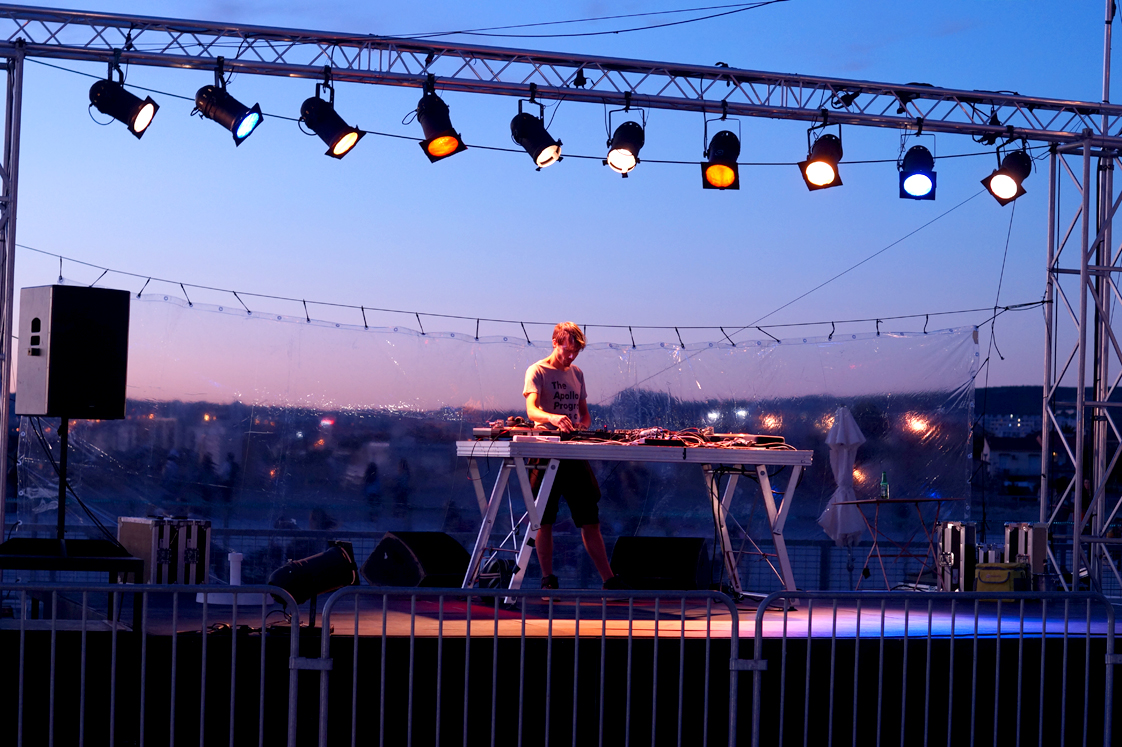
[259, 420]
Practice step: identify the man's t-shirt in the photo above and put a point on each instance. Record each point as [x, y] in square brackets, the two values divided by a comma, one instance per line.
[559, 392]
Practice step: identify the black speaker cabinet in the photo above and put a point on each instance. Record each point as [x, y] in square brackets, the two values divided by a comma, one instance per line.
[432, 559]
[662, 563]
[72, 352]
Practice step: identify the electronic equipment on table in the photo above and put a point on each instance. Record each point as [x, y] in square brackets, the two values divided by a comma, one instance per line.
[520, 429]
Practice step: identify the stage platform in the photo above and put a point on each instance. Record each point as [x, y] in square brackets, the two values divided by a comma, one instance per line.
[398, 613]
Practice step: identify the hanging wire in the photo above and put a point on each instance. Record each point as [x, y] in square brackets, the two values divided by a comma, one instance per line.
[146, 282]
[247, 311]
[737, 8]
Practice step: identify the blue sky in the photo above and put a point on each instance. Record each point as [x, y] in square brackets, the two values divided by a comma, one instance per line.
[484, 235]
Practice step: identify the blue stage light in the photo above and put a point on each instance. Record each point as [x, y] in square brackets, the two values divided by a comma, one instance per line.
[917, 174]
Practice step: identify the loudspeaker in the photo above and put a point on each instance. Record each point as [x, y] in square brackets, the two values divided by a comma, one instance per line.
[432, 559]
[73, 352]
[677, 563]
[331, 569]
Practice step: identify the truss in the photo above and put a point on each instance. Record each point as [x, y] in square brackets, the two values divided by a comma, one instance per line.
[380, 60]
[1079, 329]
[1083, 351]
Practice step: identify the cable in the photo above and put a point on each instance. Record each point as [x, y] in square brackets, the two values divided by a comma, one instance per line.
[36, 426]
[520, 151]
[738, 8]
[871, 256]
[414, 312]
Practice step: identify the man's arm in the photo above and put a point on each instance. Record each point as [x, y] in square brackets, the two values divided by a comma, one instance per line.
[585, 416]
[538, 415]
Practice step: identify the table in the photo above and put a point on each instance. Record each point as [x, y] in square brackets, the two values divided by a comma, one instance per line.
[903, 549]
[515, 453]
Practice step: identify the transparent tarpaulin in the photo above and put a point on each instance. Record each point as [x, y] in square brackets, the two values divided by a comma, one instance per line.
[261, 421]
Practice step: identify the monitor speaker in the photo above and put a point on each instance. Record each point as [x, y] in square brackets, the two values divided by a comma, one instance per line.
[432, 559]
[662, 563]
[73, 352]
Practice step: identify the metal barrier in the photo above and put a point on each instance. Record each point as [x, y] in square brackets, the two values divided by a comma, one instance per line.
[146, 664]
[965, 668]
[585, 667]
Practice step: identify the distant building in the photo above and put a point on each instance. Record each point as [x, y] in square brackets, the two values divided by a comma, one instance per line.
[1014, 462]
[1012, 425]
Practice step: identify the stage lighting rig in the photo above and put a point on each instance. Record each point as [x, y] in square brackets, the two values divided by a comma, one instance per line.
[213, 102]
[917, 174]
[626, 141]
[110, 97]
[529, 132]
[440, 140]
[1005, 182]
[820, 169]
[720, 170]
[321, 118]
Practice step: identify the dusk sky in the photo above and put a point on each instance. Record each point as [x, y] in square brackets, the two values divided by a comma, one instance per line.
[484, 235]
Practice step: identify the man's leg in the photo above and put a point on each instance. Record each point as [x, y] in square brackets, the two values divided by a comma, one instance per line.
[594, 544]
[544, 547]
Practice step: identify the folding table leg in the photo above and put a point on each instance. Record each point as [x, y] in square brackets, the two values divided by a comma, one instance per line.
[720, 514]
[533, 509]
[488, 523]
[777, 517]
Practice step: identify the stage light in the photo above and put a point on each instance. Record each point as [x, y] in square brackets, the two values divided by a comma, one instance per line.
[623, 148]
[322, 119]
[1005, 183]
[110, 97]
[530, 133]
[440, 140]
[917, 174]
[329, 570]
[820, 169]
[721, 171]
[213, 102]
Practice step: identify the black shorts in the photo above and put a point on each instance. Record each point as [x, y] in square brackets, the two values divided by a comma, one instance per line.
[577, 483]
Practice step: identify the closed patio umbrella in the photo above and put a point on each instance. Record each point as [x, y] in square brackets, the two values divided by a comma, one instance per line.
[843, 523]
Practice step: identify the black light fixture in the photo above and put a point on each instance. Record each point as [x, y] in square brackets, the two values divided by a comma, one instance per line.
[110, 97]
[721, 171]
[820, 169]
[1005, 182]
[440, 140]
[529, 132]
[627, 140]
[213, 102]
[331, 569]
[321, 118]
[917, 174]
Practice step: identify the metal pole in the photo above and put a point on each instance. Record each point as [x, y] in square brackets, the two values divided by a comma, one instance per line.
[1081, 378]
[8, 249]
[1049, 293]
[63, 447]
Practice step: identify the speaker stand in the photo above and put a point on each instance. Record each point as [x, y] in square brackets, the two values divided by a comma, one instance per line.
[64, 443]
[93, 555]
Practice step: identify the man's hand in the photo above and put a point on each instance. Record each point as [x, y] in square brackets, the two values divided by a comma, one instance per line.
[562, 423]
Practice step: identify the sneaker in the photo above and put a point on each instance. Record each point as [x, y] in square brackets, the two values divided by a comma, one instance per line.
[550, 582]
[615, 583]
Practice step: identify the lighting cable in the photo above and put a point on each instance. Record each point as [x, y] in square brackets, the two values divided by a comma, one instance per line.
[520, 151]
[736, 8]
[413, 313]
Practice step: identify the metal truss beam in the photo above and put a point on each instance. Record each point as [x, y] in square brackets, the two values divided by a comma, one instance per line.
[1083, 350]
[380, 60]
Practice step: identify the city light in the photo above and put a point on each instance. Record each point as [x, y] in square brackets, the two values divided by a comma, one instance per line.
[772, 422]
